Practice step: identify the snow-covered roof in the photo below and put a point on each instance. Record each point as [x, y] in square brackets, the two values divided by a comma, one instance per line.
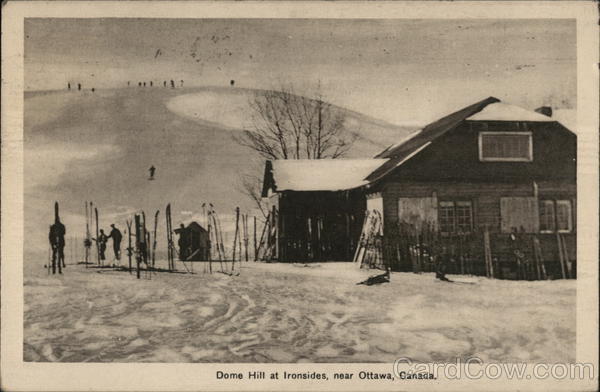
[322, 174]
[501, 111]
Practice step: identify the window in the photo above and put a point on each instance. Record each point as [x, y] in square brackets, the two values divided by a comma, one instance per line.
[519, 214]
[547, 216]
[505, 146]
[556, 215]
[447, 217]
[455, 217]
[564, 218]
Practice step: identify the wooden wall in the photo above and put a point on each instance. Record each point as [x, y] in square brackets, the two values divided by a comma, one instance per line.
[319, 226]
[486, 203]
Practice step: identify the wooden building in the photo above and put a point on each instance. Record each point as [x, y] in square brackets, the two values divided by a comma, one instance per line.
[320, 206]
[488, 167]
[193, 243]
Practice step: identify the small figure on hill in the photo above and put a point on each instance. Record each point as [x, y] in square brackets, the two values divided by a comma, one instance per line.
[93, 89]
[56, 237]
[151, 170]
[232, 82]
[151, 83]
[164, 83]
[144, 84]
[172, 84]
[79, 86]
[181, 83]
[139, 84]
[182, 242]
[128, 83]
[116, 236]
[68, 86]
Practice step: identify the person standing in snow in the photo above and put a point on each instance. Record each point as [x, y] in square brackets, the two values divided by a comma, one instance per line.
[101, 240]
[116, 236]
[57, 242]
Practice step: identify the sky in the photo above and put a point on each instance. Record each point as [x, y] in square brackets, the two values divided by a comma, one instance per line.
[402, 71]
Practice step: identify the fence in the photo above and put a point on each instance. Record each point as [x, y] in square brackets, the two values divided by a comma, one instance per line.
[518, 255]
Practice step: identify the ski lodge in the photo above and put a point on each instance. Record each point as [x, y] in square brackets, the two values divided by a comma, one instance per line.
[491, 182]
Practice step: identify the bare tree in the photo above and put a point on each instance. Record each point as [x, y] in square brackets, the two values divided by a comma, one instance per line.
[289, 126]
[251, 186]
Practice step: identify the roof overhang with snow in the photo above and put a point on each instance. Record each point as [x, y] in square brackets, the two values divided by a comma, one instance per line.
[318, 174]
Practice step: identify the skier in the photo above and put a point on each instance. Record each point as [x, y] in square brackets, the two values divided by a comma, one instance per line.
[102, 239]
[152, 170]
[57, 242]
[182, 242]
[116, 236]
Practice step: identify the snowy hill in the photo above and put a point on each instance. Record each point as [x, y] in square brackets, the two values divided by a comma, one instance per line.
[98, 146]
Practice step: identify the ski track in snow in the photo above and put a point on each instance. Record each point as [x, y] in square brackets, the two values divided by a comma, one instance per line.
[281, 313]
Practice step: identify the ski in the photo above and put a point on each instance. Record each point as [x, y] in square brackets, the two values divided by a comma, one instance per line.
[129, 250]
[97, 235]
[154, 242]
[138, 255]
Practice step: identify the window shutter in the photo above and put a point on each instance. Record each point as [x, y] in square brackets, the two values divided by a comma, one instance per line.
[517, 213]
[418, 210]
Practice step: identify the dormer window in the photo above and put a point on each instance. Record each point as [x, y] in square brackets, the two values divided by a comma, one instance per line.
[505, 147]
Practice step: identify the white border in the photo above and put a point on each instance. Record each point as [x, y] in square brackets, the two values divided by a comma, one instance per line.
[17, 375]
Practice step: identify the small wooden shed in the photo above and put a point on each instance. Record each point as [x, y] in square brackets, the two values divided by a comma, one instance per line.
[193, 243]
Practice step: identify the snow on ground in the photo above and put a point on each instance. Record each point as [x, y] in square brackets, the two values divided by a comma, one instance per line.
[292, 313]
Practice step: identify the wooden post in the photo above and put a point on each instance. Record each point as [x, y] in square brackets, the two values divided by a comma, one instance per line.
[561, 256]
[565, 255]
[540, 257]
[254, 235]
[489, 267]
[536, 259]
[567, 260]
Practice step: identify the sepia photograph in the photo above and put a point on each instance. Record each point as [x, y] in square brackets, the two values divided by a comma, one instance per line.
[332, 190]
